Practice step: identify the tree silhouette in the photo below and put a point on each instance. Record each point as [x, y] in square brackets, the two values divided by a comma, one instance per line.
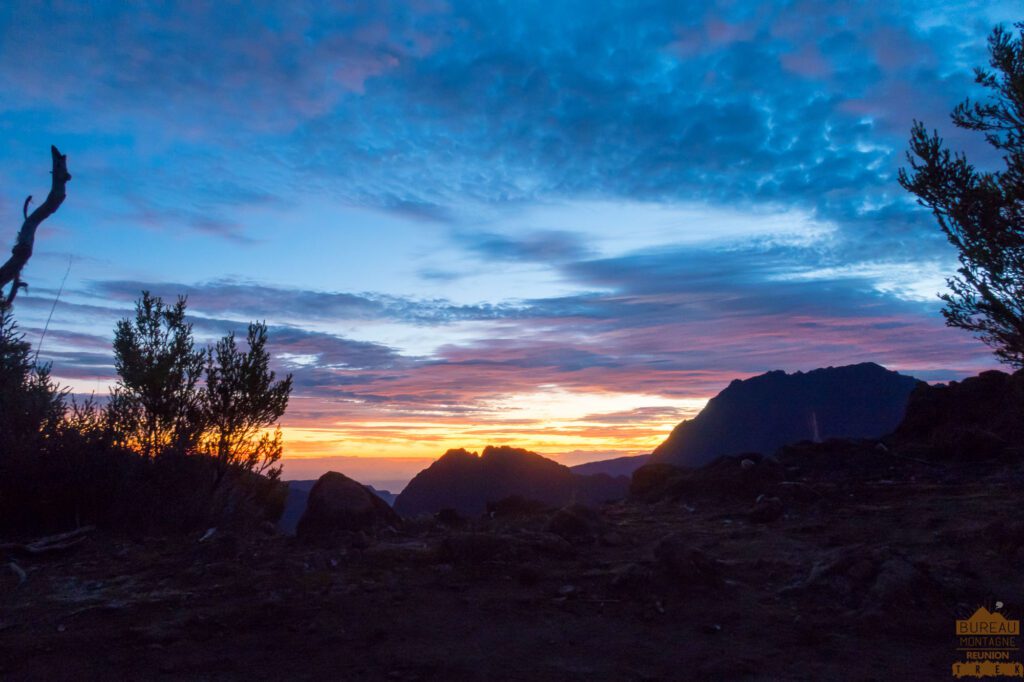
[982, 213]
[31, 404]
[156, 406]
[241, 401]
[163, 404]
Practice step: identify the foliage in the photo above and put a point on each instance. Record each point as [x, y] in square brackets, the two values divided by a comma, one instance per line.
[168, 452]
[982, 213]
[31, 404]
[157, 404]
[241, 400]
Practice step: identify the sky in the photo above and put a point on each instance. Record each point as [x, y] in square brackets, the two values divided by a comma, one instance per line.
[555, 225]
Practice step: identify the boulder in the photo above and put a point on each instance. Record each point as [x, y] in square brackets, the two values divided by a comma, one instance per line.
[846, 461]
[449, 517]
[654, 481]
[741, 477]
[575, 523]
[766, 510]
[978, 418]
[339, 505]
[687, 565]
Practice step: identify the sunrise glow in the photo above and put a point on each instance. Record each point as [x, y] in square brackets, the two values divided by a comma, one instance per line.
[461, 234]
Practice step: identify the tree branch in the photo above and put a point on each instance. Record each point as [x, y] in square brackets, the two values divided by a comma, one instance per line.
[50, 544]
[22, 251]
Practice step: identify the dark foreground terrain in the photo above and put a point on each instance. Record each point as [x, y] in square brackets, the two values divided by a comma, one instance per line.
[854, 570]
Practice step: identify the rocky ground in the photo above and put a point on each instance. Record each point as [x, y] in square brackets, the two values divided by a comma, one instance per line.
[773, 569]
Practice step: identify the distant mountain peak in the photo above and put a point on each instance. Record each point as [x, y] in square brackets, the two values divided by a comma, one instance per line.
[466, 482]
[765, 412]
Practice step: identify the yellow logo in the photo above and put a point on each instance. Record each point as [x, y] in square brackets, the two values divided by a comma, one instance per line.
[989, 643]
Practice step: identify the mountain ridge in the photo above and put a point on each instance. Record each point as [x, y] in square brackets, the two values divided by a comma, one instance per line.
[466, 482]
[770, 410]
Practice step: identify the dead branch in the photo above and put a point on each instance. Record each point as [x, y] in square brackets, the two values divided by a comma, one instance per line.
[22, 251]
[50, 544]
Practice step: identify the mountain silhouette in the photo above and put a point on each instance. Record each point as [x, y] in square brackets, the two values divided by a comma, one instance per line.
[618, 466]
[466, 482]
[763, 413]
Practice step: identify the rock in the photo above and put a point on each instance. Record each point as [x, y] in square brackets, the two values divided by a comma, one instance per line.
[515, 506]
[478, 547]
[360, 540]
[449, 517]
[654, 481]
[337, 504]
[838, 460]
[900, 583]
[871, 580]
[222, 546]
[798, 491]
[400, 553]
[575, 523]
[976, 419]
[547, 544]
[686, 564]
[766, 510]
[726, 478]
[613, 539]
[631, 577]
[843, 574]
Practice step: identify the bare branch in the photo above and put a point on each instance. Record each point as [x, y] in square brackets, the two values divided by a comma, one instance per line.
[50, 544]
[22, 251]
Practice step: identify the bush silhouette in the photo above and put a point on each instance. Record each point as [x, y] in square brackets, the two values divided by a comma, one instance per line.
[170, 451]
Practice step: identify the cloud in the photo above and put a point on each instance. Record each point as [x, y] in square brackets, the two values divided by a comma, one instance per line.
[541, 246]
[678, 322]
[256, 301]
[638, 415]
[418, 109]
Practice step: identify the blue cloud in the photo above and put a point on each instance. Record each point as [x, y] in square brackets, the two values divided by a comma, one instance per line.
[416, 109]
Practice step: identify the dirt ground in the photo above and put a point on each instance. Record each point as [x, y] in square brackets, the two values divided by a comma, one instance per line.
[842, 580]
